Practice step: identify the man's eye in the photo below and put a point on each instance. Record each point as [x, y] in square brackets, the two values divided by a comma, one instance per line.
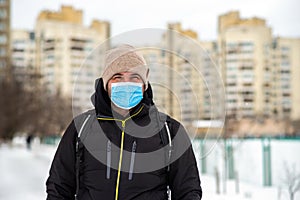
[136, 77]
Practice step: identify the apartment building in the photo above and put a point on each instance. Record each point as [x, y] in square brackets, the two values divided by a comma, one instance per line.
[244, 66]
[67, 53]
[214, 89]
[178, 55]
[261, 72]
[4, 38]
[285, 61]
[23, 57]
[194, 81]
[158, 76]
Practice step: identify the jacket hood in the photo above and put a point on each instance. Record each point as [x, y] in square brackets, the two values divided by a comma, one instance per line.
[102, 102]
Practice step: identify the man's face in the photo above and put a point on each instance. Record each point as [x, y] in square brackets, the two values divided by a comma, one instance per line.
[124, 77]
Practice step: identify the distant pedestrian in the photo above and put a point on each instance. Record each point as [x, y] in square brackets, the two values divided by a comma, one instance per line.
[124, 149]
[29, 139]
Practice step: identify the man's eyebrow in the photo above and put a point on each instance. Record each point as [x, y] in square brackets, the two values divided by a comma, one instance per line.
[134, 74]
[117, 74]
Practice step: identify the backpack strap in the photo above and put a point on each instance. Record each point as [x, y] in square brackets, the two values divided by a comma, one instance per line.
[166, 138]
[79, 152]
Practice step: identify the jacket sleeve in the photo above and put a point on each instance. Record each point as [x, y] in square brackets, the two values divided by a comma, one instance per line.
[61, 183]
[184, 177]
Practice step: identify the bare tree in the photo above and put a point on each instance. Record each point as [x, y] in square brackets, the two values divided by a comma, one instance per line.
[12, 98]
[56, 115]
[31, 110]
[291, 180]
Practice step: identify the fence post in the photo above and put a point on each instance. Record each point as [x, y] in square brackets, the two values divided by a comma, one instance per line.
[230, 159]
[266, 155]
[203, 157]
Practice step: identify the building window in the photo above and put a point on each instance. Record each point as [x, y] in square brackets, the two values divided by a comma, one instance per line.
[285, 49]
[285, 63]
[2, 26]
[246, 44]
[2, 51]
[2, 64]
[32, 36]
[50, 57]
[3, 13]
[3, 39]
[231, 45]
[285, 86]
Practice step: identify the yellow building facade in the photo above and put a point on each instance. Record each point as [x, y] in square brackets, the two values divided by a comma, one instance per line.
[64, 47]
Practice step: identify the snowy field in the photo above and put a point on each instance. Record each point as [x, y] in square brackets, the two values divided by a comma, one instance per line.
[23, 174]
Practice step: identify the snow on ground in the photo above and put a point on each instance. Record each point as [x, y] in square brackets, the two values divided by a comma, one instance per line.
[246, 191]
[23, 174]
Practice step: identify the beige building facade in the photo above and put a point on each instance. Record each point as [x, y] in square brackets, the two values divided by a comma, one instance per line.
[193, 75]
[180, 56]
[243, 62]
[158, 76]
[285, 61]
[261, 72]
[4, 39]
[65, 53]
[23, 57]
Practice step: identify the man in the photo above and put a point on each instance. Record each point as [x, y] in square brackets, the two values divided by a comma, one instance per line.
[124, 148]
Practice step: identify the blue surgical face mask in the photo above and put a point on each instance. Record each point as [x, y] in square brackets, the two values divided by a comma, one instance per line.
[126, 95]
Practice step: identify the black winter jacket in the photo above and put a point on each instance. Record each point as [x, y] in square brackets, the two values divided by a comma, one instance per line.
[142, 172]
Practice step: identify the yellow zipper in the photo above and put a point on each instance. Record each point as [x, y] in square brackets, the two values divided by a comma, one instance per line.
[122, 146]
[120, 160]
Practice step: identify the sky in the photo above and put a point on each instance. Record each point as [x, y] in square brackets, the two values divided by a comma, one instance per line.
[283, 16]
